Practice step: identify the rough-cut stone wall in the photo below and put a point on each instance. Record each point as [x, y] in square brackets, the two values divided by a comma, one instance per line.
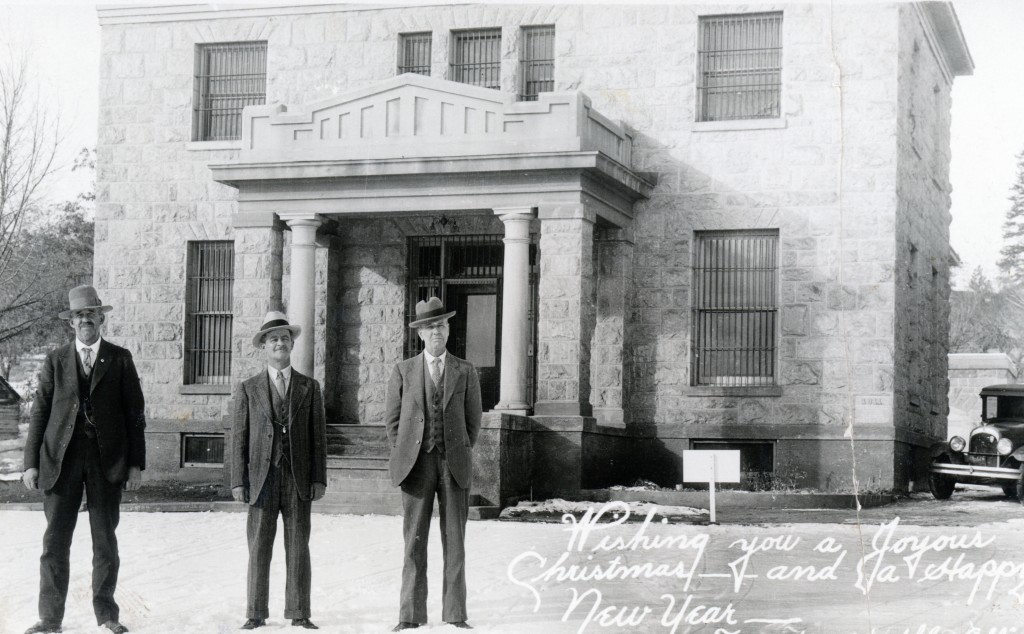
[922, 234]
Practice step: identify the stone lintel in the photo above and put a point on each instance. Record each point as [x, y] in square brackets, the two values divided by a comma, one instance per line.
[566, 211]
[257, 220]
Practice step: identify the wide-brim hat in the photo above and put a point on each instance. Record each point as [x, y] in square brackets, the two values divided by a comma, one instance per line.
[83, 298]
[428, 312]
[274, 321]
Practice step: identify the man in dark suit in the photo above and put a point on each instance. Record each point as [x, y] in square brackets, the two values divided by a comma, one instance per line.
[278, 465]
[87, 430]
[433, 419]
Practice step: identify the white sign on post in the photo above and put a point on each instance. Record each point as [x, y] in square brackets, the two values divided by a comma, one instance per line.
[711, 465]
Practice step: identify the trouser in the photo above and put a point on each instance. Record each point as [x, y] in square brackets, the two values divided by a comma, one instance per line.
[279, 495]
[430, 476]
[80, 469]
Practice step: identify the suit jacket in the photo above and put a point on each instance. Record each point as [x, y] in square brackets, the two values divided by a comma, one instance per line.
[118, 411]
[406, 415]
[253, 434]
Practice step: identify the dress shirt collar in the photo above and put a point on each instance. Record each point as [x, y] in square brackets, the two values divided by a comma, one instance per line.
[286, 373]
[95, 347]
[430, 358]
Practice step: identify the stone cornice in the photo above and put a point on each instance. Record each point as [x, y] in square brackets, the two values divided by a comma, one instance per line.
[162, 12]
[946, 38]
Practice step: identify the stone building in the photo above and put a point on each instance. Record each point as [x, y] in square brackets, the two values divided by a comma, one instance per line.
[663, 227]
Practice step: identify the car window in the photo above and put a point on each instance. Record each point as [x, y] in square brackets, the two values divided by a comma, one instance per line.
[1011, 407]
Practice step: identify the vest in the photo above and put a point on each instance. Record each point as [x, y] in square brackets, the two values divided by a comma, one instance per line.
[282, 423]
[433, 429]
[82, 426]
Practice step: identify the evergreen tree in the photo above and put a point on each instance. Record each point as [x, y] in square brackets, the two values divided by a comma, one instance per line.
[1011, 262]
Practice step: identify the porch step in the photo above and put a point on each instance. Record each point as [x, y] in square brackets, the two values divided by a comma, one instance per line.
[357, 440]
[363, 502]
[358, 482]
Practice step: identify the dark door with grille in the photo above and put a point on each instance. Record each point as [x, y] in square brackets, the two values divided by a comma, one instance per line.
[465, 271]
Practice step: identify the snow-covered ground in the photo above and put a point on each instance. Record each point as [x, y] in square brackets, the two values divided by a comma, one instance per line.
[186, 573]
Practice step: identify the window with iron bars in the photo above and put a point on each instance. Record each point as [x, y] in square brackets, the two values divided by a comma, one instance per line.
[735, 307]
[414, 53]
[228, 77]
[208, 317]
[202, 450]
[476, 58]
[536, 61]
[739, 67]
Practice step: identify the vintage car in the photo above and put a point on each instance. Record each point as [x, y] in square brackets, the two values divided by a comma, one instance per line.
[994, 452]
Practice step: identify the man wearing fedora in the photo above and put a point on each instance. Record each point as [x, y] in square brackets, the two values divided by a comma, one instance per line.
[87, 431]
[278, 466]
[433, 418]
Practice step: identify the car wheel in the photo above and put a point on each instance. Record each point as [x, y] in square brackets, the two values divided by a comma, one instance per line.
[1010, 489]
[942, 485]
[1020, 485]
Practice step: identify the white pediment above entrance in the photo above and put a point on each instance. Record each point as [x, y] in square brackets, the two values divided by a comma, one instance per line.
[414, 117]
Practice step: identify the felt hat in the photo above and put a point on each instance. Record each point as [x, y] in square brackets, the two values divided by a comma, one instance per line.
[428, 312]
[275, 321]
[83, 298]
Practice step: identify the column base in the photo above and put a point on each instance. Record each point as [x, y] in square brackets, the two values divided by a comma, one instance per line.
[610, 417]
[561, 408]
[512, 407]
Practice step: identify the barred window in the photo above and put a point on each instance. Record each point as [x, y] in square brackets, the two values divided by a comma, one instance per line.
[414, 53]
[228, 77]
[740, 66]
[210, 274]
[536, 61]
[202, 450]
[476, 58]
[735, 307]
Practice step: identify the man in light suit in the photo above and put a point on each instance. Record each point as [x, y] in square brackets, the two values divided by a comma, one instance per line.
[87, 431]
[278, 465]
[433, 419]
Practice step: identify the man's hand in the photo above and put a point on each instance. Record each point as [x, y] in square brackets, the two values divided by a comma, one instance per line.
[241, 494]
[317, 490]
[31, 478]
[134, 482]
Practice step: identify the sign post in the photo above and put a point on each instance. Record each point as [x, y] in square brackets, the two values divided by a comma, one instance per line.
[711, 466]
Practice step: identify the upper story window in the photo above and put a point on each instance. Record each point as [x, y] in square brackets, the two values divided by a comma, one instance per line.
[210, 276]
[414, 53]
[536, 61]
[735, 307]
[228, 78]
[739, 66]
[476, 58]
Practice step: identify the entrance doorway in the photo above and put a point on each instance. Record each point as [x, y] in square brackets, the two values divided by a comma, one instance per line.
[465, 272]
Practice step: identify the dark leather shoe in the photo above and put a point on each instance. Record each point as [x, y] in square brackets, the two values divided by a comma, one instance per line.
[115, 627]
[252, 624]
[405, 625]
[462, 625]
[43, 626]
[306, 623]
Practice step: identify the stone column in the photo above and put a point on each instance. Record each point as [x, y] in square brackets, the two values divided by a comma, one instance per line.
[566, 319]
[302, 291]
[609, 346]
[515, 307]
[259, 243]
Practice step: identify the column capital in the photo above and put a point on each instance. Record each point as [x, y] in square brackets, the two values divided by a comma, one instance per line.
[508, 211]
[301, 219]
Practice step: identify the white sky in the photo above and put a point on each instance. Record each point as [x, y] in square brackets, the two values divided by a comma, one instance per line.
[988, 107]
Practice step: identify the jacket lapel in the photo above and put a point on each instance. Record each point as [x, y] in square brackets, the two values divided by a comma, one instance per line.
[452, 372]
[99, 367]
[416, 381]
[70, 362]
[299, 387]
[261, 393]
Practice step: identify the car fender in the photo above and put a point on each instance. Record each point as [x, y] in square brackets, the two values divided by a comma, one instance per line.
[940, 448]
[1019, 454]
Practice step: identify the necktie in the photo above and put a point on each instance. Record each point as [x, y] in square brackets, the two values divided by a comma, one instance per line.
[87, 360]
[435, 372]
[279, 384]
